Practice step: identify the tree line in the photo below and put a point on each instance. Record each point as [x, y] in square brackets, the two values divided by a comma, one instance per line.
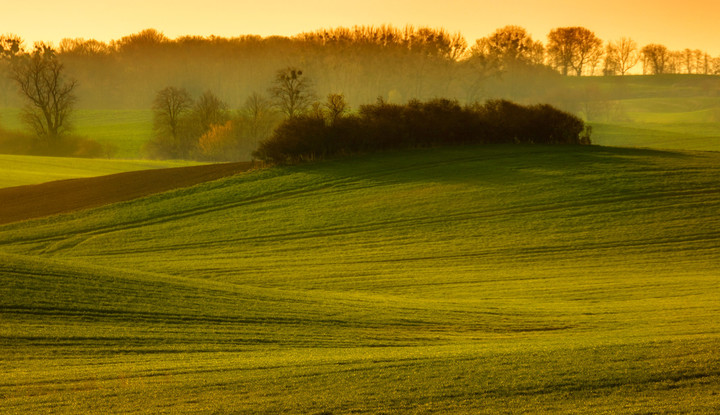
[364, 61]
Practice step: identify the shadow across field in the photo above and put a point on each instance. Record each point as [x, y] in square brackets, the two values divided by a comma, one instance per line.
[35, 201]
[496, 164]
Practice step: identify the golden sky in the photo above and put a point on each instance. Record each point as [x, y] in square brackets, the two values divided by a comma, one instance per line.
[677, 24]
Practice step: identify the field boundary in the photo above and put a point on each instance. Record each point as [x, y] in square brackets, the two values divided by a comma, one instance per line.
[62, 196]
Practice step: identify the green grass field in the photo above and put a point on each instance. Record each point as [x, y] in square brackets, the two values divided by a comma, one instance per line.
[510, 279]
[22, 170]
[126, 131]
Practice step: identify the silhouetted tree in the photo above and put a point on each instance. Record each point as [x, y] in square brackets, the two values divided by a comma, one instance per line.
[509, 47]
[655, 58]
[49, 95]
[335, 107]
[572, 48]
[292, 92]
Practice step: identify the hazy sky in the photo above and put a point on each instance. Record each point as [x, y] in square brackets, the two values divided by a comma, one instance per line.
[677, 24]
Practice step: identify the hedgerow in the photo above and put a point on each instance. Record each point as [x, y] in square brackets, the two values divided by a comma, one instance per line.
[384, 126]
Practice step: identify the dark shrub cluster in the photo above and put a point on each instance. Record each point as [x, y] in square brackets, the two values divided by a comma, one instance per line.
[384, 126]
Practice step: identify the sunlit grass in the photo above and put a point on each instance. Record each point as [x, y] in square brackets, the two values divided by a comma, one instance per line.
[470, 280]
[22, 170]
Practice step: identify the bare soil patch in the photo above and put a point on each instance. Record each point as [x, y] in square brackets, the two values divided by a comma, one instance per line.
[35, 201]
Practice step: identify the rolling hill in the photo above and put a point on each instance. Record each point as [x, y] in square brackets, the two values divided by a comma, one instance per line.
[516, 279]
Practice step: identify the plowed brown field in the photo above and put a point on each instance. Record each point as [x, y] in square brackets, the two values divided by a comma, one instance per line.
[34, 201]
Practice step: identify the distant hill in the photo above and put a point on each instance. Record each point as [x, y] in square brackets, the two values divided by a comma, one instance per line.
[665, 112]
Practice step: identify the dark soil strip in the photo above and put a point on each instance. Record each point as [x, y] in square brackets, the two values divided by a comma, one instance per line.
[35, 201]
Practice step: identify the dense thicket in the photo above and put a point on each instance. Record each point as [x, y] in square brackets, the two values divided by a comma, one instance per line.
[384, 126]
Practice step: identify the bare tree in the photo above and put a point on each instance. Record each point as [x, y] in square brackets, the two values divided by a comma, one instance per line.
[292, 92]
[702, 62]
[335, 107]
[49, 95]
[170, 109]
[621, 56]
[655, 58]
[572, 48]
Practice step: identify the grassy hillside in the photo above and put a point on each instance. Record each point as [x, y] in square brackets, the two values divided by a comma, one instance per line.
[467, 280]
[679, 112]
[665, 123]
[23, 170]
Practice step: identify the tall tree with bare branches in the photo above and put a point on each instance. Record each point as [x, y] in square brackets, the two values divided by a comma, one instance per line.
[621, 56]
[49, 95]
[292, 92]
[171, 108]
